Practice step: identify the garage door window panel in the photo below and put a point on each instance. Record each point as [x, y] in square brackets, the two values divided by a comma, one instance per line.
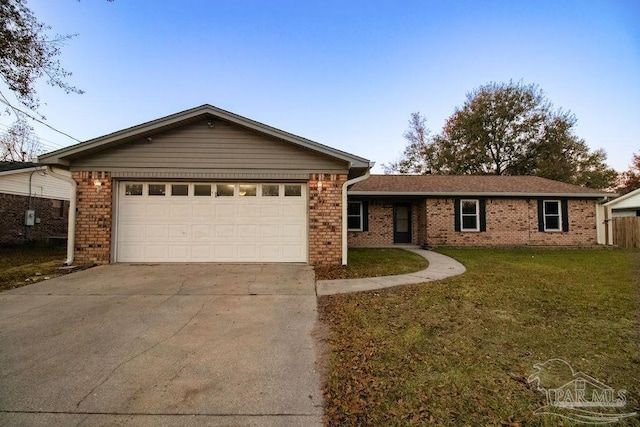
[157, 189]
[133, 189]
[293, 190]
[179, 189]
[248, 190]
[225, 190]
[270, 190]
[202, 190]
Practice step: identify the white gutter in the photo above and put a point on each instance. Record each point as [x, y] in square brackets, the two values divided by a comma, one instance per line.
[71, 228]
[344, 209]
[479, 194]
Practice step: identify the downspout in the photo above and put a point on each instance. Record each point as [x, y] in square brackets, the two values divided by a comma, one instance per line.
[344, 209]
[71, 227]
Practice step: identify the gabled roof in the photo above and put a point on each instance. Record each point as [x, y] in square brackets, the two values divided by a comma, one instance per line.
[629, 195]
[65, 155]
[469, 185]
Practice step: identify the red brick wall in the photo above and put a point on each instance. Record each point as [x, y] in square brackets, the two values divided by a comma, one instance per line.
[93, 218]
[381, 224]
[12, 212]
[325, 219]
[509, 222]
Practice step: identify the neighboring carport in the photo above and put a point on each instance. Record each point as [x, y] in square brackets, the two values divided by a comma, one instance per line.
[178, 344]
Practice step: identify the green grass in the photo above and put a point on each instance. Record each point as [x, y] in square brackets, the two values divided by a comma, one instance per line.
[458, 352]
[373, 262]
[22, 262]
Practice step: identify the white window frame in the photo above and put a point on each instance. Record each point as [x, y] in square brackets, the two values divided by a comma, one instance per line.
[476, 202]
[359, 216]
[559, 215]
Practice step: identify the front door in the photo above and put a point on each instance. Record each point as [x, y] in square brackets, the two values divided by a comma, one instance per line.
[401, 223]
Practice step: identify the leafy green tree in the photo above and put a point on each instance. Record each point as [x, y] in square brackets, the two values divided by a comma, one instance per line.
[505, 129]
[28, 53]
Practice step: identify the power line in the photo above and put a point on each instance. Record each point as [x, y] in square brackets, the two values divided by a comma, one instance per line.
[4, 101]
[51, 143]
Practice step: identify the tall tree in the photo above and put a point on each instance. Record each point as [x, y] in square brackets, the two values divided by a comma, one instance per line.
[19, 143]
[28, 53]
[630, 179]
[418, 154]
[506, 129]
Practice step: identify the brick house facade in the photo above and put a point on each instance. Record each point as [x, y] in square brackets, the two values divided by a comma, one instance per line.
[52, 215]
[504, 211]
[292, 211]
[325, 219]
[93, 218]
[510, 222]
[28, 186]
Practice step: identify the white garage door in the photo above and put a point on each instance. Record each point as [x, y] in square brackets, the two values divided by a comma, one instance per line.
[211, 222]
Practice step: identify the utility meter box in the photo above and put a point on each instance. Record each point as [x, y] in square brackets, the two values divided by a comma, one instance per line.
[30, 217]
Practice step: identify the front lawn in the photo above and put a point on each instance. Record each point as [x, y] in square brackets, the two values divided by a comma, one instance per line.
[459, 351]
[373, 262]
[32, 262]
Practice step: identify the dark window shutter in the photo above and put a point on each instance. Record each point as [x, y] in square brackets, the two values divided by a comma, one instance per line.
[540, 215]
[483, 214]
[456, 211]
[365, 216]
[565, 215]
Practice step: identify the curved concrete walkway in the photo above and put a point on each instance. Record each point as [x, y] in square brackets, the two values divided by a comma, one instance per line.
[440, 267]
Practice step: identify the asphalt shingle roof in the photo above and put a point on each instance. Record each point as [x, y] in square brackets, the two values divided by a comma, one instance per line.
[468, 184]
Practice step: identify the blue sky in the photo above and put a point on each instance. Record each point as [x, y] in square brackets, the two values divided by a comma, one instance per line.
[344, 73]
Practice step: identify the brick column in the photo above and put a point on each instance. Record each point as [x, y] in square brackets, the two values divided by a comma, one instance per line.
[93, 218]
[325, 219]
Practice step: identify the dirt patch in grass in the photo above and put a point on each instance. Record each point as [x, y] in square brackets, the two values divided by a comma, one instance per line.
[32, 262]
[374, 262]
[459, 351]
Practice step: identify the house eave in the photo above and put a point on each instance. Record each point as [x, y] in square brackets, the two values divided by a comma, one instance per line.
[622, 198]
[16, 171]
[477, 194]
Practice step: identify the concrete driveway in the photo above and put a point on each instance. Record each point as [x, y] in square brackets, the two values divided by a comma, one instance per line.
[195, 344]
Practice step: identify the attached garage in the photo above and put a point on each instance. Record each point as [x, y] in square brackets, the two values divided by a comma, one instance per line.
[211, 222]
[207, 185]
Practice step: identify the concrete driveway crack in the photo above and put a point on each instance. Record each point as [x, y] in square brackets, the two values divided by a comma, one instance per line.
[141, 353]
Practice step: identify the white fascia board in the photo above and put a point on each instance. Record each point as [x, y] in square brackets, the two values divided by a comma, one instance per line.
[15, 171]
[476, 194]
[622, 198]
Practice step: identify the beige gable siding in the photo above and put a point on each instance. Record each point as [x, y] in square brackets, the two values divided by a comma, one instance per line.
[632, 202]
[197, 147]
[42, 185]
